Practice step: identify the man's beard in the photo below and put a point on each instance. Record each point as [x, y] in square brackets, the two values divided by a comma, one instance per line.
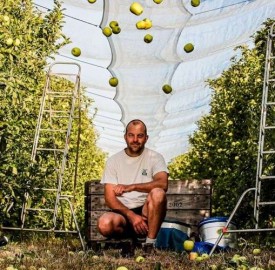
[135, 148]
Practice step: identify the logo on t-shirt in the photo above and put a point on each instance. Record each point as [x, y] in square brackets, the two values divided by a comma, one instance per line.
[144, 171]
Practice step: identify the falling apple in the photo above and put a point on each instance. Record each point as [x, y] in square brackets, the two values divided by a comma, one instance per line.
[188, 245]
[141, 25]
[113, 81]
[116, 30]
[189, 47]
[167, 89]
[91, 1]
[195, 3]
[76, 51]
[148, 38]
[136, 8]
[157, 1]
[107, 31]
[148, 23]
[113, 24]
[9, 41]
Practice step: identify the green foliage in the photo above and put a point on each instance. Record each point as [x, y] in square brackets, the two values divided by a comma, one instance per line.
[28, 39]
[224, 147]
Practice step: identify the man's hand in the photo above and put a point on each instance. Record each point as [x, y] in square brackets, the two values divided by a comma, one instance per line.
[139, 223]
[120, 189]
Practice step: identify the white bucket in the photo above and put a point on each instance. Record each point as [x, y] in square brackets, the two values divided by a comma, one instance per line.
[211, 228]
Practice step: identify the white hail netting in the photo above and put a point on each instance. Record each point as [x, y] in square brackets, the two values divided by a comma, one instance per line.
[215, 28]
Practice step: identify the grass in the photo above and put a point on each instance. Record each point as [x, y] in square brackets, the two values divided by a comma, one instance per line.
[51, 253]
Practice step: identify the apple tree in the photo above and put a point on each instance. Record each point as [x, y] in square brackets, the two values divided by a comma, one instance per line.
[224, 147]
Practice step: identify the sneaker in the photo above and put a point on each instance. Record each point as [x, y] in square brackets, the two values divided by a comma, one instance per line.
[148, 248]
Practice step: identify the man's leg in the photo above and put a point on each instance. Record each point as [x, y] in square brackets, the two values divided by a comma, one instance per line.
[110, 224]
[155, 211]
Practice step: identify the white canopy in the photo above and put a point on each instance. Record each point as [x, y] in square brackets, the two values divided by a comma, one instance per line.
[215, 28]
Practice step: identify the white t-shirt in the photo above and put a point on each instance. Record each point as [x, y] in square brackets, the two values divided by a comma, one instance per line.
[123, 169]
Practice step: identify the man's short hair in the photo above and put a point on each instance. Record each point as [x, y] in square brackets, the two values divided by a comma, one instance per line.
[136, 122]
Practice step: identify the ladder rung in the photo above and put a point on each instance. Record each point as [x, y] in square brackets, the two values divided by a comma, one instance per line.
[270, 103]
[40, 209]
[269, 127]
[55, 111]
[53, 130]
[50, 149]
[268, 152]
[61, 74]
[59, 94]
[46, 189]
[263, 177]
[266, 203]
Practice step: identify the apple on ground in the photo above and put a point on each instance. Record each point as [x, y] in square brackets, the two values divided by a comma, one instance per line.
[95, 257]
[195, 3]
[205, 256]
[193, 255]
[199, 259]
[148, 38]
[136, 8]
[167, 89]
[256, 251]
[140, 259]
[16, 42]
[113, 81]
[107, 31]
[9, 41]
[157, 1]
[189, 47]
[76, 51]
[122, 268]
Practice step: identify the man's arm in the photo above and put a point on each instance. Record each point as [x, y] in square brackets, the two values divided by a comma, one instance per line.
[160, 180]
[138, 222]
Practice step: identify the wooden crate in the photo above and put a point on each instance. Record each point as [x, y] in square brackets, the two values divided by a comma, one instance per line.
[188, 201]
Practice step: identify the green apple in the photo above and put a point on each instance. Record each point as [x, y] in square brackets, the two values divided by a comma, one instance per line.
[141, 25]
[189, 47]
[91, 1]
[122, 268]
[113, 81]
[205, 256]
[148, 38]
[148, 23]
[188, 245]
[199, 259]
[76, 51]
[256, 251]
[157, 1]
[193, 255]
[167, 89]
[113, 24]
[16, 42]
[107, 31]
[140, 259]
[116, 30]
[9, 41]
[136, 8]
[213, 267]
[195, 3]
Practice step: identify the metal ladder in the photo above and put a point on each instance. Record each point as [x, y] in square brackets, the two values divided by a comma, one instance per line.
[263, 173]
[58, 110]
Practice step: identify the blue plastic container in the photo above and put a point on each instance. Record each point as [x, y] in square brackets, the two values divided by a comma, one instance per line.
[211, 228]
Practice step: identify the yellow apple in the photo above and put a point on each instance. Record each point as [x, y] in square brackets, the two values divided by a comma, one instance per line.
[188, 245]
[107, 31]
[148, 38]
[205, 256]
[189, 47]
[195, 3]
[76, 51]
[141, 25]
[256, 251]
[167, 89]
[193, 255]
[113, 24]
[113, 81]
[140, 259]
[116, 30]
[9, 41]
[122, 268]
[91, 1]
[157, 1]
[16, 42]
[148, 23]
[136, 8]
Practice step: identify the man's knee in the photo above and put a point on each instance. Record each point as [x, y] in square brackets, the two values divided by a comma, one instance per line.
[157, 195]
[105, 225]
